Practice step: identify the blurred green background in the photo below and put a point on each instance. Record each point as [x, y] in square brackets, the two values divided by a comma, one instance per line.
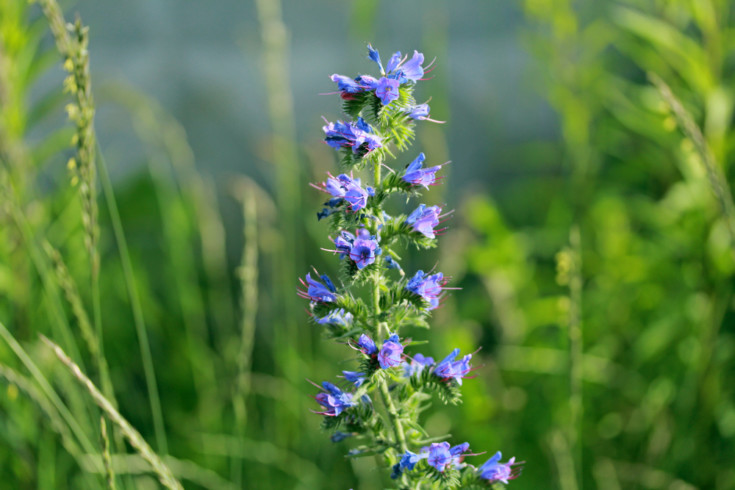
[592, 237]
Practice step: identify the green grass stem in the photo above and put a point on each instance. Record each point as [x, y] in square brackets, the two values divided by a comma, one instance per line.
[247, 273]
[106, 458]
[47, 390]
[717, 180]
[138, 320]
[165, 475]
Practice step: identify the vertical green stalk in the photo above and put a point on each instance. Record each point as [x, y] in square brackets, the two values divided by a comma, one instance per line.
[183, 274]
[140, 329]
[576, 349]
[248, 275]
[287, 336]
[106, 458]
[382, 332]
[72, 43]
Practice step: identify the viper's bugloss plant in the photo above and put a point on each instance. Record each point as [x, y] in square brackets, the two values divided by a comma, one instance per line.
[379, 404]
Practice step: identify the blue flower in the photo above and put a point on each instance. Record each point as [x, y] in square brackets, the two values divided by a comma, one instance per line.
[417, 364]
[387, 90]
[417, 175]
[343, 243]
[358, 136]
[391, 353]
[418, 112]
[450, 369]
[324, 213]
[375, 56]
[394, 62]
[345, 187]
[424, 220]
[493, 470]
[336, 317]
[340, 436]
[354, 377]
[440, 455]
[347, 85]
[334, 400]
[428, 287]
[408, 462]
[366, 345]
[370, 83]
[364, 249]
[316, 291]
[400, 69]
[458, 453]
[391, 263]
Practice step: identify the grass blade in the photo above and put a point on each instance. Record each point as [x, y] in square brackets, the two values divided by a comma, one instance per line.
[133, 436]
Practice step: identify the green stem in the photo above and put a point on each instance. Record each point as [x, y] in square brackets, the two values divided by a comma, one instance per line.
[47, 390]
[393, 415]
[127, 266]
[382, 333]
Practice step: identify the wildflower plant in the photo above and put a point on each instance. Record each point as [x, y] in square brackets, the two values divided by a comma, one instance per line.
[370, 308]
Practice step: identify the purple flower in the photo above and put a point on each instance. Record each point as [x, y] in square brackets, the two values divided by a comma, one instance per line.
[358, 136]
[345, 187]
[316, 291]
[417, 175]
[418, 112]
[387, 90]
[366, 345]
[346, 85]
[334, 400]
[417, 364]
[428, 287]
[412, 69]
[493, 470]
[343, 243]
[391, 353]
[336, 317]
[357, 197]
[364, 249]
[458, 453]
[424, 220]
[370, 83]
[400, 69]
[451, 369]
[441, 455]
[408, 462]
[394, 62]
[354, 377]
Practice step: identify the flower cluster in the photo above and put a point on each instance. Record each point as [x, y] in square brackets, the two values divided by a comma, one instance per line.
[382, 113]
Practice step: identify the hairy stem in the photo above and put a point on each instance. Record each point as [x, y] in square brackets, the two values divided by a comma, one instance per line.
[382, 329]
[393, 415]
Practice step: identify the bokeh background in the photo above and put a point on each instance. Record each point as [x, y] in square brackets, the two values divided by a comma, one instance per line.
[592, 236]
